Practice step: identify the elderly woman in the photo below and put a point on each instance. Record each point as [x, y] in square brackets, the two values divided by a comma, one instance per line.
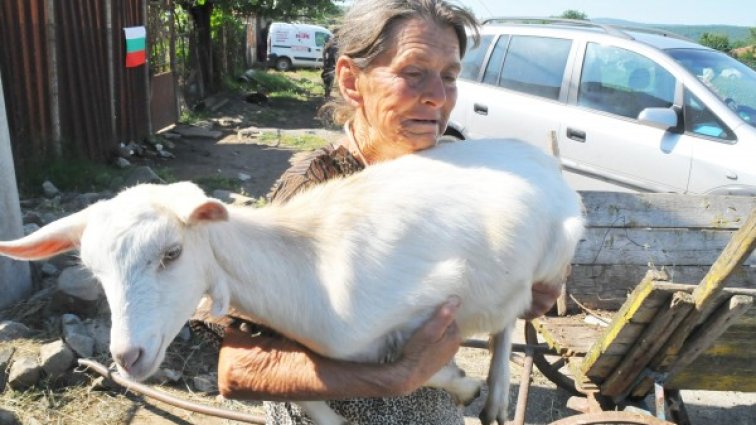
[397, 69]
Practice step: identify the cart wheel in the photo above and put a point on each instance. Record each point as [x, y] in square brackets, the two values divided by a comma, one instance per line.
[551, 366]
[611, 418]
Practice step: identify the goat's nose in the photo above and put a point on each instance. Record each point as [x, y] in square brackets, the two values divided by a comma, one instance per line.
[127, 358]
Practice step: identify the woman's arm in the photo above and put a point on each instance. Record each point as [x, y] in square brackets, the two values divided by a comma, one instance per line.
[274, 368]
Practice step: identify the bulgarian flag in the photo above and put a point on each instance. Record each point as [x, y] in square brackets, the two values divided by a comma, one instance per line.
[135, 46]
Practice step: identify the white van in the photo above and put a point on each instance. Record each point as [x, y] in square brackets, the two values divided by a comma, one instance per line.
[296, 45]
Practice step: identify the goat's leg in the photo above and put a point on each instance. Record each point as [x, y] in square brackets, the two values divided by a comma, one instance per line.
[498, 378]
[321, 414]
[452, 379]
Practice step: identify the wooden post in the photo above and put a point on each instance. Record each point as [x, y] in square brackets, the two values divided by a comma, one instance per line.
[15, 276]
[52, 75]
[147, 81]
[111, 70]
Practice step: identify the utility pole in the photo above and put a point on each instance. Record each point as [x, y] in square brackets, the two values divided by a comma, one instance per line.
[15, 276]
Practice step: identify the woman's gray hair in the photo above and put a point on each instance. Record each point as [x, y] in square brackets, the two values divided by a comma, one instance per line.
[365, 33]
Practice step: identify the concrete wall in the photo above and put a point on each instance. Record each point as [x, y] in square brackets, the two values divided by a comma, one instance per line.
[15, 276]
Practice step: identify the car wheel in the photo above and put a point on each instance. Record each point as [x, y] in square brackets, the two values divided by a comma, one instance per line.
[283, 64]
[448, 138]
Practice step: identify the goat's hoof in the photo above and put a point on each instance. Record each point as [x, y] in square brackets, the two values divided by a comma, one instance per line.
[487, 417]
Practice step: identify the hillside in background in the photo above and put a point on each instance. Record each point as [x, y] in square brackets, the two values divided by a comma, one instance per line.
[693, 32]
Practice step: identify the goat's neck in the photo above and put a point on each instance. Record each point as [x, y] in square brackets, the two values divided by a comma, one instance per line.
[270, 265]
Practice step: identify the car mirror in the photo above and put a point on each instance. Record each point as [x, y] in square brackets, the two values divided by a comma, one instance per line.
[664, 118]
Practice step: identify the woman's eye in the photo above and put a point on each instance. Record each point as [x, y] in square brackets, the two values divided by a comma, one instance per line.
[170, 255]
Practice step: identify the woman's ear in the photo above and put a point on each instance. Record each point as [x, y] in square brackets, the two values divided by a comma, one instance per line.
[348, 78]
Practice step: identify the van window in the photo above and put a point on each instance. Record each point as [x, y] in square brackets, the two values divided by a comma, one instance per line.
[622, 82]
[493, 69]
[535, 65]
[700, 121]
[473, 59]
[321, 38]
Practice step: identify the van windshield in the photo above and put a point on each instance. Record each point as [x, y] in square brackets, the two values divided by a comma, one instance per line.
[731, 80]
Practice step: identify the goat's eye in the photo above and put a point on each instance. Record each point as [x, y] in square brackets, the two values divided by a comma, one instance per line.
[172, 254]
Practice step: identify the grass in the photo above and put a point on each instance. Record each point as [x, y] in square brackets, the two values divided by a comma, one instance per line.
[294, 141]
[71, 175]
[212, 183]
[300, 84]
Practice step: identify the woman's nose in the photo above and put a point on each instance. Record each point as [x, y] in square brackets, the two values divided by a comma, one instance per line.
[434, 91]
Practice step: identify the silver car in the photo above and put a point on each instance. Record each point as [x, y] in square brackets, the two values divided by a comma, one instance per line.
[639, 110]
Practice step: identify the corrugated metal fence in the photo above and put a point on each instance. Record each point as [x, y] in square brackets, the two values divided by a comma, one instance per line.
[66, 88]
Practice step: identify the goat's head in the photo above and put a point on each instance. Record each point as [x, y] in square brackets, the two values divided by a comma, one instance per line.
[149, 250]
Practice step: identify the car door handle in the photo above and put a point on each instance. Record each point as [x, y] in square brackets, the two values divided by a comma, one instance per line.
[480, 109]
[576, 135]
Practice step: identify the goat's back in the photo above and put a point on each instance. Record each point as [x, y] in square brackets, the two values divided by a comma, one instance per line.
[479, 219]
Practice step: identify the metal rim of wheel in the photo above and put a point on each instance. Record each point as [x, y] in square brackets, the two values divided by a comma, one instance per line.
[548, 368]
[283, 64]
[617, 418]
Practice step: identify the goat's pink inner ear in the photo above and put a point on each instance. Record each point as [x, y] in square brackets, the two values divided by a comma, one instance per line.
[38, 250]
[209, 211]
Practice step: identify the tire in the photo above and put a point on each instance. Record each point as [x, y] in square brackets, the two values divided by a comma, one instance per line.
[283, 64]
[449, 138]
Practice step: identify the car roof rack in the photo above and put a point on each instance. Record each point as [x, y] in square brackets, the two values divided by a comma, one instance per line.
[617, 30]
[574, 22]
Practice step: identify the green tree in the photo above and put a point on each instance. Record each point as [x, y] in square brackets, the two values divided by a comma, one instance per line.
[717, 41]
[204, 13]
[574, 14]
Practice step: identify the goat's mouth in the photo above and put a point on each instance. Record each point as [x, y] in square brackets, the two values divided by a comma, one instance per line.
[147, 363]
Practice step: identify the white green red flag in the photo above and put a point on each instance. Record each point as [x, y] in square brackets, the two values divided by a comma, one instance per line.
[135, 46]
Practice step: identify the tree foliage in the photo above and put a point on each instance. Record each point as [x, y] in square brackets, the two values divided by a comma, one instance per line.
[716, 41]
[273, 9]
[574, 14]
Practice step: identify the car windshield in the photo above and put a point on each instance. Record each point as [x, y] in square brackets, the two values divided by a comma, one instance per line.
[731, 80]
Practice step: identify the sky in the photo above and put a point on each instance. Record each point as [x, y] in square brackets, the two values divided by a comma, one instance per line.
[686, 12]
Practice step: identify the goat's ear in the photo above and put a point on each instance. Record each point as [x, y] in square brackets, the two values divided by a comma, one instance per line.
[192, 205]
[221, 298]
[210, 210]
[56, 238]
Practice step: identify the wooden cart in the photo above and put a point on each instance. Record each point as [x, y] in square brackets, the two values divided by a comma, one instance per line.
[679, 328]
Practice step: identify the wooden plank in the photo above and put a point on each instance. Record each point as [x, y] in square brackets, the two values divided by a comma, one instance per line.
[737, 252]
[637, 301]
[716, 374]
[606, 287]
[614, 209]
[649, 343]
[653, 247]
[710, 331]
[568, 335]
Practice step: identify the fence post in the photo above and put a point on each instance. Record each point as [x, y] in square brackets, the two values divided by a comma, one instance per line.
[15, 276]
[52, 75]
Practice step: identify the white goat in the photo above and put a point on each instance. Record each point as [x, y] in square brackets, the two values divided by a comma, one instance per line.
[349, 268]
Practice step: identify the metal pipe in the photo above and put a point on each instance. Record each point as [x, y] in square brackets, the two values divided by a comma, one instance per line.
[522, 395]
[168, 399]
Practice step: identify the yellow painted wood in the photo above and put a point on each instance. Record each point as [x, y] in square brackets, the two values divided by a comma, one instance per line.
[634, 303]
[737, 250]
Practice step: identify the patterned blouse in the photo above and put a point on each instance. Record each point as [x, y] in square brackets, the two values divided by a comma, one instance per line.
[426, 406]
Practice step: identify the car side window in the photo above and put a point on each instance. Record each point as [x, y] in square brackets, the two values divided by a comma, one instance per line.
[535, 65]
[622, 82]
[701, 121]
[473, 60]
[493, 69]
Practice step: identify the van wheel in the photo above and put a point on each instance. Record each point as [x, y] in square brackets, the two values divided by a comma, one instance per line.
[283, 64]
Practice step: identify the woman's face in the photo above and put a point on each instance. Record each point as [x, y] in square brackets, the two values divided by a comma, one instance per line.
[408, 92]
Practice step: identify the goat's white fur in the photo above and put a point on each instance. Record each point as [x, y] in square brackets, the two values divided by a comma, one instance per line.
[350, 268]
